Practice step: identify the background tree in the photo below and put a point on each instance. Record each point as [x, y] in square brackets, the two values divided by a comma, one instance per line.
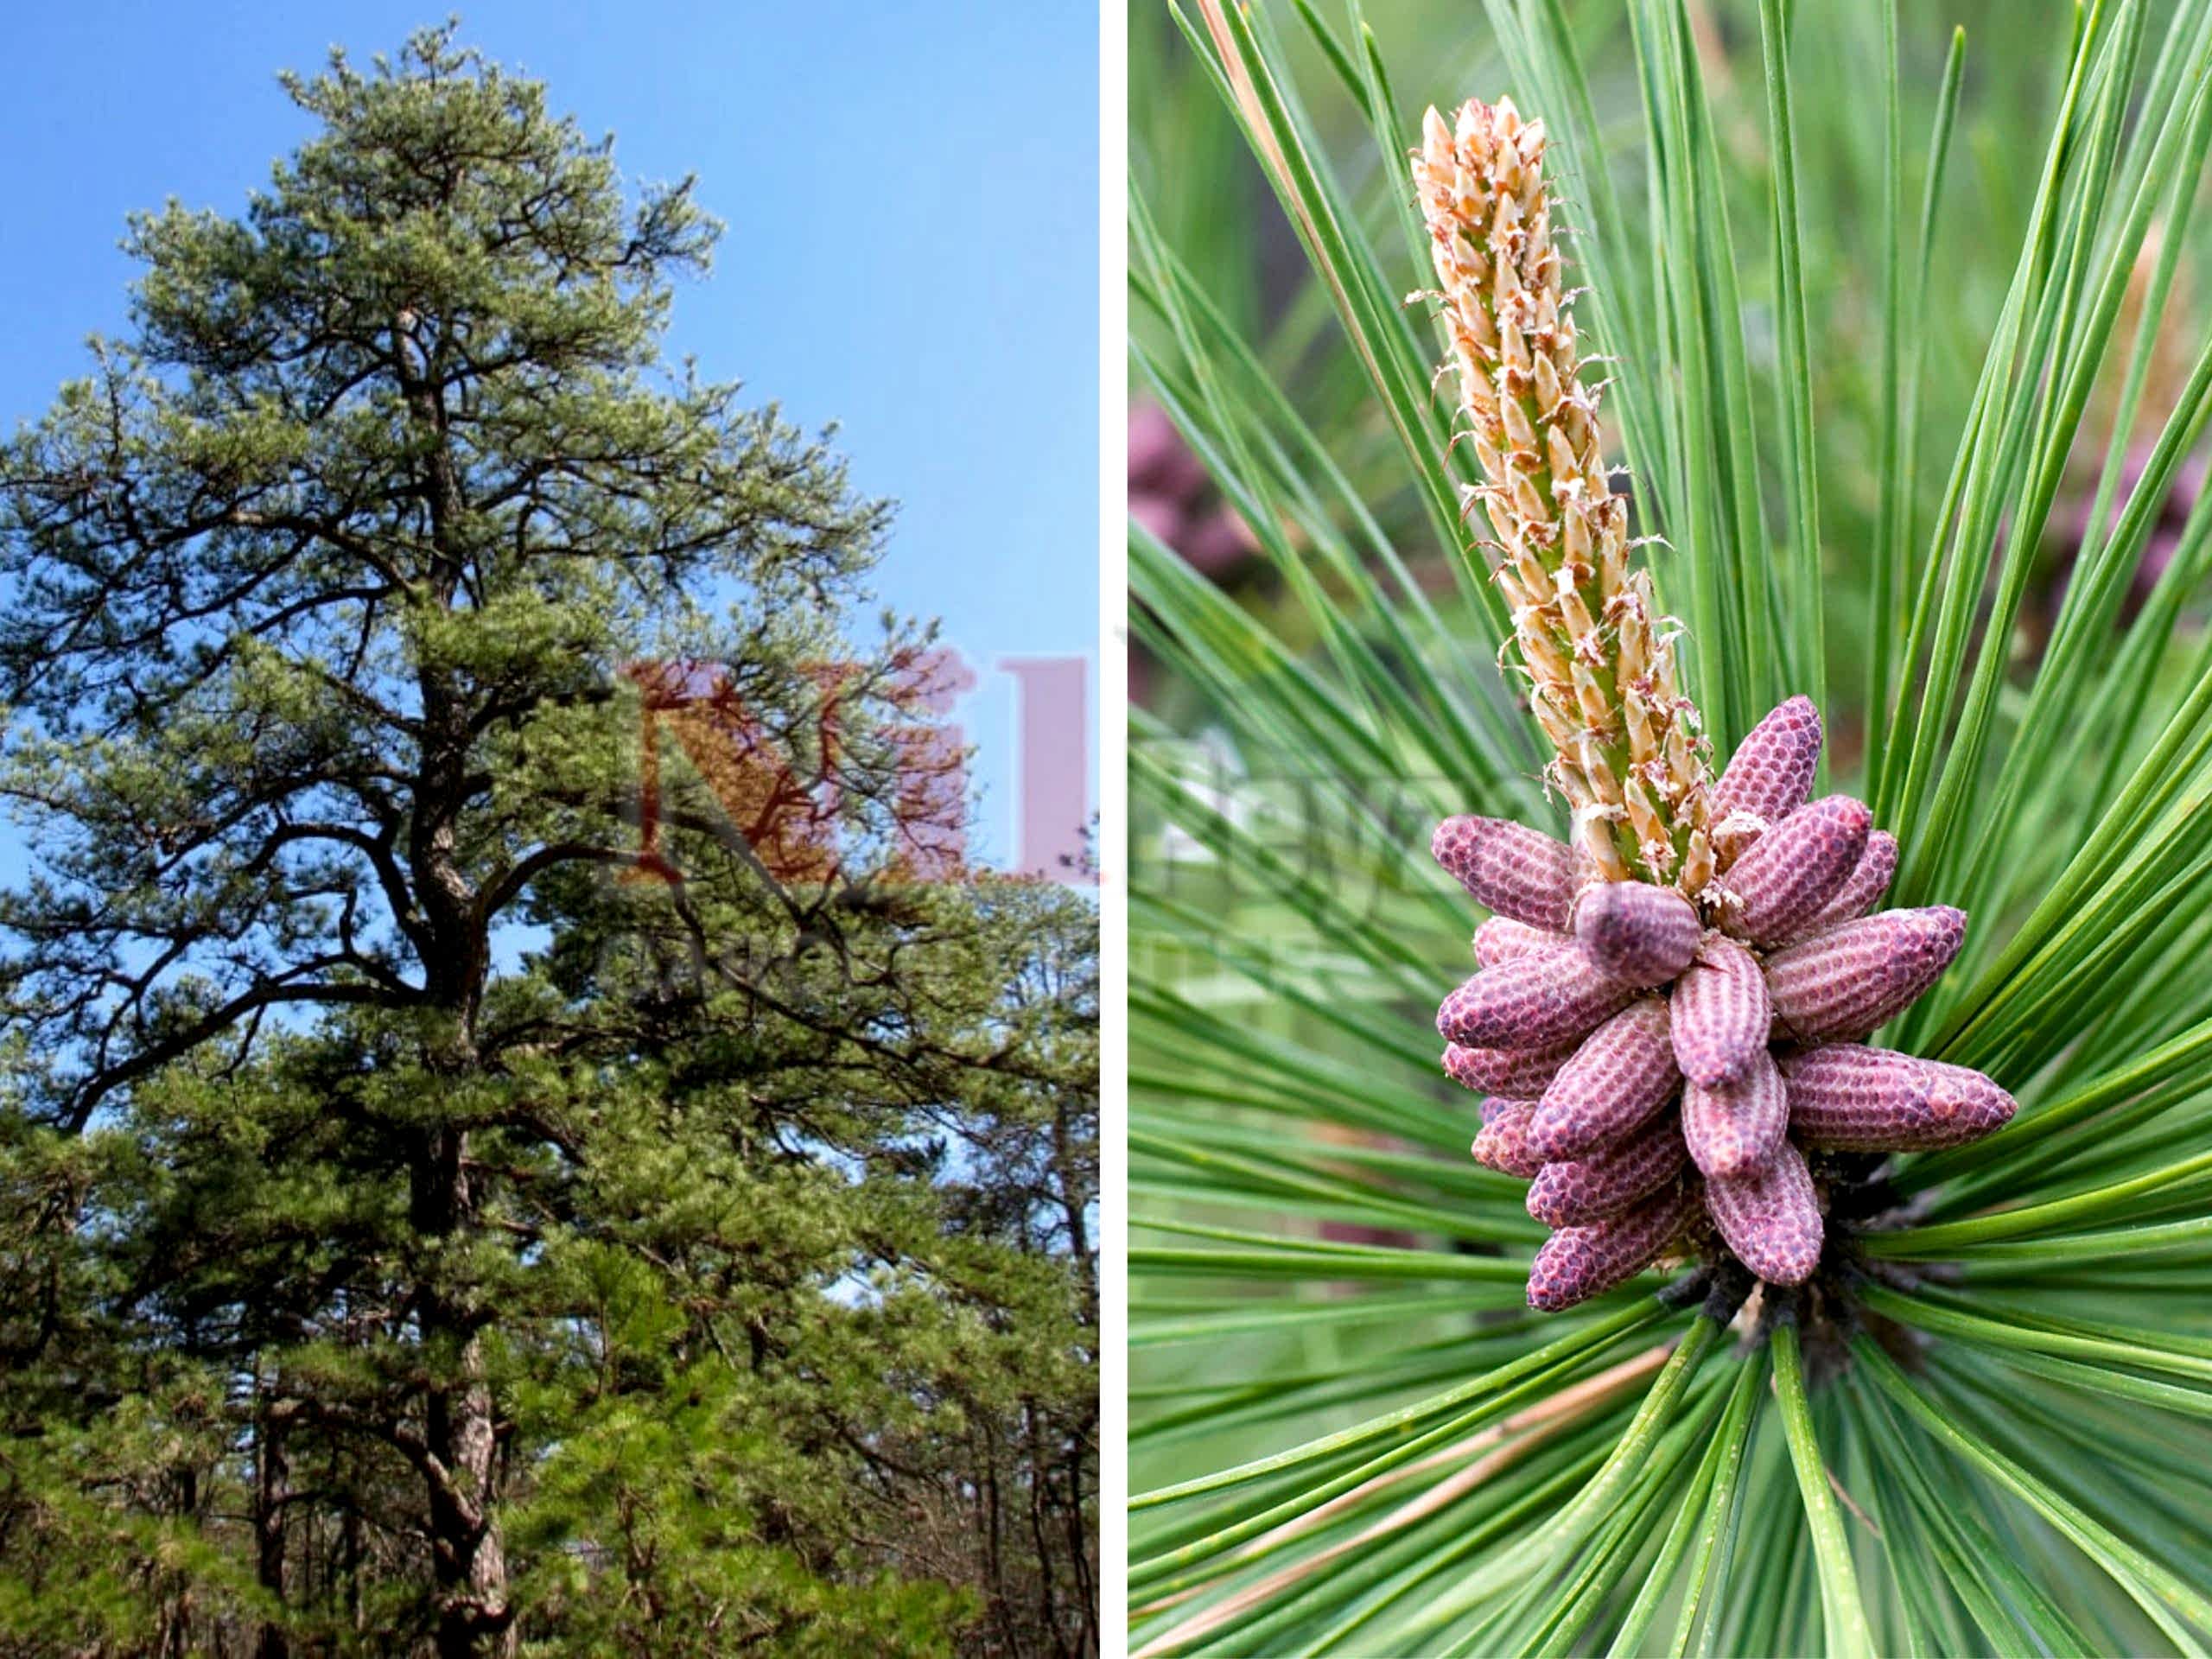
[414, 1230]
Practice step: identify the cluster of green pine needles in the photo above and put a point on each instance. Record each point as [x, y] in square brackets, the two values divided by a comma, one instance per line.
[1348, 1434]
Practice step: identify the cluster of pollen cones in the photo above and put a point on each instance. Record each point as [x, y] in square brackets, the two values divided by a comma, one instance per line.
[1659, 1068]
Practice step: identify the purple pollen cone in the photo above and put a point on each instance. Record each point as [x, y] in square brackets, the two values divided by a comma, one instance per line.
[1845, 1097]
[1845, 981]
[1501, 938]
[1508, 868]
[1770, 1217]
[1959, 1094]
[1521, 1073]
[1503, 1143]
[1579, 1263]
[1863, 887]
[1721, 1014]
[1770, 775]
[1652, 1054]
[1530, 1002]
[1584, 1190]
[1623, 1072]
[1634, 931]
[1793, 869]
[1731, 1131]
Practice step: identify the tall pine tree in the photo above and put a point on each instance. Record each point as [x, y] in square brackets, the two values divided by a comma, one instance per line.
[426, 1220]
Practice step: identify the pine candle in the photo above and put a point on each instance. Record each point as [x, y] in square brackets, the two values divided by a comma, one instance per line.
[1671, 1014]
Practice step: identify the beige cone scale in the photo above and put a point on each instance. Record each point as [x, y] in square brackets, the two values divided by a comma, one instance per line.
[1598, 661]
[1671, 1012]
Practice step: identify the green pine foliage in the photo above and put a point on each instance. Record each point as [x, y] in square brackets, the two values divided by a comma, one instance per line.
[1903, 364]
[426, 1226]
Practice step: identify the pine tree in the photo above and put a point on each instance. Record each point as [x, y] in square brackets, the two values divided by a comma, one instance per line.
[539, 1243]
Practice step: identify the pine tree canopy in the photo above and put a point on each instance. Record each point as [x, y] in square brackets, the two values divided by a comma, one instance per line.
[427, 1222]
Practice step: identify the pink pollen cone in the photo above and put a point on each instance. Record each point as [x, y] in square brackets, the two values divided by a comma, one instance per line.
[1576, 1192]
[1846, 980]
[1770, 775]
[1771, 1218]
[1508, 868]
[1623, 1072]
[1795, 868]
[1503, 1143]
[1863, 887]
[1520, 1072]
[1501, 938]
[1731, 1130]
[1579, 1263]
[1845, 1097]
[1960, 1095]
[1721, 1014]
[1634, 931]
[1530, 1002]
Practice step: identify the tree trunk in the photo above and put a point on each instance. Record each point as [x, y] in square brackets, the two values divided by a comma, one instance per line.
[474, 1620]
[1039, 1476]
[272, 1477]
[350, 1552]
[174, 1637]
[1079, 1547]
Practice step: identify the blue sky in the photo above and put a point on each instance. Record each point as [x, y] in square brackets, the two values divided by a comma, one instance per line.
[910, 193]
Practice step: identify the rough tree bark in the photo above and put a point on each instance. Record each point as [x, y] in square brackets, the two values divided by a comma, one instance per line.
[271, 1489]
